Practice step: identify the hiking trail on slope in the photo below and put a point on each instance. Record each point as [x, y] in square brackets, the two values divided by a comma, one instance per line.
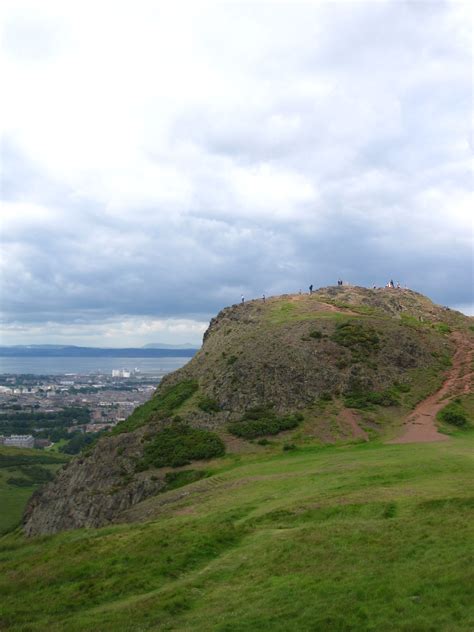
[420, 425]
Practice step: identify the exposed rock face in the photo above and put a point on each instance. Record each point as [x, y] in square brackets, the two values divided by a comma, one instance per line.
[286, 353]
[92, 490]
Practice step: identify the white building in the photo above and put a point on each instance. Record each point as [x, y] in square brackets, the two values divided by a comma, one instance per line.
[20, 441]
[120, 373]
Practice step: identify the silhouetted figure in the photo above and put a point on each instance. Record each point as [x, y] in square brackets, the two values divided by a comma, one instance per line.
[311, 288]
[263, 298]
[242, 299]
[339, 282]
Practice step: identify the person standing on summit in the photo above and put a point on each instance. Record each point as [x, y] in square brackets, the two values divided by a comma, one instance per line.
[311, 288]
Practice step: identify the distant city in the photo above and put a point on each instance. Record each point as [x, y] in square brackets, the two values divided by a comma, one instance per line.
[67, 410]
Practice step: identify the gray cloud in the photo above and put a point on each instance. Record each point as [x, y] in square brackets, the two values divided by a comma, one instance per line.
[274, 147]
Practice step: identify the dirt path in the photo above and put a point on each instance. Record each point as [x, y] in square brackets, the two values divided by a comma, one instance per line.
[350, 418]
[420, 425]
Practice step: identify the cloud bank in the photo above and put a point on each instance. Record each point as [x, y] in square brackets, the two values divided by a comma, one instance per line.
[160, 159]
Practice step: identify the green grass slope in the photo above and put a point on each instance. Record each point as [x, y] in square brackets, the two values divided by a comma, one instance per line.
[21, 473]
[358, 537]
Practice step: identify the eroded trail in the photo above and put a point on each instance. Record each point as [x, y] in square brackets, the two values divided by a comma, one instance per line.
[420, 425]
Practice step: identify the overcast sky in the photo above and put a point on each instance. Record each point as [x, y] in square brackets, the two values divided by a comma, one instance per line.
[161, 158]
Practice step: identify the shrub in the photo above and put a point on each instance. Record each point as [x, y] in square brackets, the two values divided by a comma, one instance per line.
[288, 446]
[362, 340]
[454, 414]
[369, 399]
[180, 444]
[208, 405]
[454, 418]
[261, 421]
[232, 360]
[316, 334]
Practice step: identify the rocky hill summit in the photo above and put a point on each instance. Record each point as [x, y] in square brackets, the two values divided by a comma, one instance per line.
[342, 364]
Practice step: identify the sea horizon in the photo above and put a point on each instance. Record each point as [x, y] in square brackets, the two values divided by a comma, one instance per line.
[44, 365]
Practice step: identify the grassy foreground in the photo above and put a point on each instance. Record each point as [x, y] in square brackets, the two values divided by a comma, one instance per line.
[356, 537]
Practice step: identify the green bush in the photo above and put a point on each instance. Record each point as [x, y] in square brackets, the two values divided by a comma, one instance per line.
[454, 414]
[361, 339]
[260, 421]
[232, 360]
[208, 405]
[454, 418]
[159, 406]
[369, 399]
[180, 444]
[316, 334]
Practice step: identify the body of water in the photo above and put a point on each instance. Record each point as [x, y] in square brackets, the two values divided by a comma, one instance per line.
[89, 366]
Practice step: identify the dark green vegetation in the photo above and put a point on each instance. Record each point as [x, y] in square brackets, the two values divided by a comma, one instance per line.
[363, 538]
[459, 412]
[53, 425]
[158, 407]
[370, 399]
[79, 441]
[179, 444]
[208, 405]
[21, 472]
[260, 421]
[361, 339]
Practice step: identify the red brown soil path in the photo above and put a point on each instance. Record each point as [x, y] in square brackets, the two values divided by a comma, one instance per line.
[350, 417]
[420, 425]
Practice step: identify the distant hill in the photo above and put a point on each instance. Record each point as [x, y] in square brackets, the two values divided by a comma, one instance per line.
[71, 351]
[162, 345]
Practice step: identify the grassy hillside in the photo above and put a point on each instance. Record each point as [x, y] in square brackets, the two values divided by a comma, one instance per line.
[355, 537]
[21, 472]
[340, 365]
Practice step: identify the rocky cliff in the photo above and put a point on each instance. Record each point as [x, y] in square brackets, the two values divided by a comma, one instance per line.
[287, 368]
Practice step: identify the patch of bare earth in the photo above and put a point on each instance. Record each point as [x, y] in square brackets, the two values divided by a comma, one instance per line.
[350, 418]
[420, 425]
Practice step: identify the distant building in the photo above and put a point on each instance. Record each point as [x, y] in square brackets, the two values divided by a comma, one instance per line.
[120, 373]
[20, 441]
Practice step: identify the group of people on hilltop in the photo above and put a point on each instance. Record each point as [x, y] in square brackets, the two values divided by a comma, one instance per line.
[391, 284]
